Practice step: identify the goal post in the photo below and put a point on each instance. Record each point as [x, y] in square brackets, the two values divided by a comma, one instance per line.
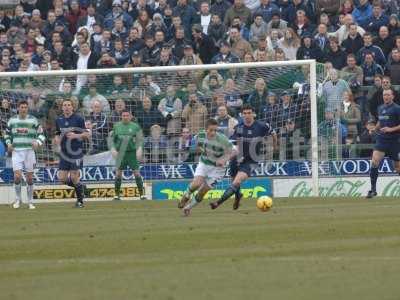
[168, 90]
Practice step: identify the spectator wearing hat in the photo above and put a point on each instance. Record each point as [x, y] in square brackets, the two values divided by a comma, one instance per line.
[379, 56]
[335, 55]
[238, 9]
[73, 16]
[190, 58]
[377, 19]
[266, 9]
[158, 25]
[384, 41]
[216, 30]
[116, 13]
[203, 45]
[134, 42]
[91, 18]
[309, 50]
[362, 13]
[257, 29]
[61, 28]
[187, 14]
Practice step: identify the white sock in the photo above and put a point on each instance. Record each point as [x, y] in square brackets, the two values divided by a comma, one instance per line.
[193, 202]
[17, 192]
[29, 192]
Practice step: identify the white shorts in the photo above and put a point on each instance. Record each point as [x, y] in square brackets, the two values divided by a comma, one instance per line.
[212, 174]
[23, 160]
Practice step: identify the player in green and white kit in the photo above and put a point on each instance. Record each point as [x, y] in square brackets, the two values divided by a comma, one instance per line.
[23, 136]
[127, 148]
[215, 150]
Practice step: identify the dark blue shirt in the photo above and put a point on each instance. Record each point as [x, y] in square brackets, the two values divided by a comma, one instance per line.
[249, 140]
[388, 116]
[76, 124]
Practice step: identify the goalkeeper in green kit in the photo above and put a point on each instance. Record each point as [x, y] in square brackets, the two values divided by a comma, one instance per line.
[127, 149]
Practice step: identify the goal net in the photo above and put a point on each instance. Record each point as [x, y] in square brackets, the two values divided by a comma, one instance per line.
[172, 104]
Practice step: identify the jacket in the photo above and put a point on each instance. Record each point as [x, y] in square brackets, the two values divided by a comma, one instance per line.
[195, 116]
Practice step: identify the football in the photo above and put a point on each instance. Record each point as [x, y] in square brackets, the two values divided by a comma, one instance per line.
[264, 203]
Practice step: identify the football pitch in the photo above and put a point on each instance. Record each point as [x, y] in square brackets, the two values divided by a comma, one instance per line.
[302, 249]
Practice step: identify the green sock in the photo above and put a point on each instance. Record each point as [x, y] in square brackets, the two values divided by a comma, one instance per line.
[117, 186]
[139, 183]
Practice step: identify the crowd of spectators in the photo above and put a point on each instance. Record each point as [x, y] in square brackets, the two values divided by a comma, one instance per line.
[357, 41]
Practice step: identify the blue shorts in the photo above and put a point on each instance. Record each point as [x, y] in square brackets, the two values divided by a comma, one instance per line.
[70, 164]
[391, 149]
[245, 167]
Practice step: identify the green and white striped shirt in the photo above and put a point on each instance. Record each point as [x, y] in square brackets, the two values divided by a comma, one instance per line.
[21, 133]
[212, 149]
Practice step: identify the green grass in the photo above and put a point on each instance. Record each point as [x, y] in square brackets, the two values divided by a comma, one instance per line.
[302, 249]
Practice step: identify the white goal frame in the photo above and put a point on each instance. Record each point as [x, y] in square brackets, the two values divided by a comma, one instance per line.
[112, 71]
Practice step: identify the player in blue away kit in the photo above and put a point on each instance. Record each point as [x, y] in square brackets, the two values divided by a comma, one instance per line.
[70, 133]
[387, 137]
[249, 136]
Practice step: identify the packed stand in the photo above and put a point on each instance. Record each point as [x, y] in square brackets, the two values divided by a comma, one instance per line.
[357, 43]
